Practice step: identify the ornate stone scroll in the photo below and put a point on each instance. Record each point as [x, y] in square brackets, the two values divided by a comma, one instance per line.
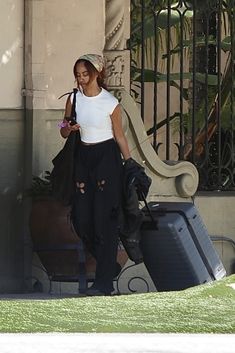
[118, 69]
[116, 32]
[170, 179]
[114, 25]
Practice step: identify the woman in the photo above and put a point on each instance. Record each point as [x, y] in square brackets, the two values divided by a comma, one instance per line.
[98, 168]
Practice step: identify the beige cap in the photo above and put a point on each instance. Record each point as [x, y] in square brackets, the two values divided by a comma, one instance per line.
[96, 60]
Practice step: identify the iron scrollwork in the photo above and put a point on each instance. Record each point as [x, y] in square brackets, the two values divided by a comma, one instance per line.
[130, 280]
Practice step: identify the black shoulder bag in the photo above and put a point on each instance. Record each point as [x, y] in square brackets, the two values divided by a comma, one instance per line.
[62, 175]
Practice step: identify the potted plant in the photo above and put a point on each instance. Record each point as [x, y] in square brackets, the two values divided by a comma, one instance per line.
[54, 239]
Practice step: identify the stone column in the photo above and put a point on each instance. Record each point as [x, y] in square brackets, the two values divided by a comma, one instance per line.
[34, 92]
[35, 86]
[117, 31]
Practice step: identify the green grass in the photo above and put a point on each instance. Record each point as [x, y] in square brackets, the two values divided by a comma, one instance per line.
[208, 308]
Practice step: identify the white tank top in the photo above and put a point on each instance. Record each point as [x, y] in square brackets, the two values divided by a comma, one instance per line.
[93, 115]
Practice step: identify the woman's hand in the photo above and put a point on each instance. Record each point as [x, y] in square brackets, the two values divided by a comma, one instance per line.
[72, 127]
[67, 128]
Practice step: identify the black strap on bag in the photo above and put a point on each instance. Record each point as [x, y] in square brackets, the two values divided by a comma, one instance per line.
[62, 173]
[73, 116]
[73, 110]
[154, 221]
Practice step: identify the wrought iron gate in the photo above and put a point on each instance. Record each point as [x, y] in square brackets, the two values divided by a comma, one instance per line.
[183, 77]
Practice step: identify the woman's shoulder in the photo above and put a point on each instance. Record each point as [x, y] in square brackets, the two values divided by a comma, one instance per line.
[109, 101]
[109, 95]
[75, 91]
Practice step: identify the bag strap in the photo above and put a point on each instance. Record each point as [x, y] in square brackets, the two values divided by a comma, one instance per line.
[65, 94]
[154, 221]
[73, 110]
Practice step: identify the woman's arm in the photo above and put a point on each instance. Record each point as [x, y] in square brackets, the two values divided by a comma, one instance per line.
[118, 132]
[65, 131]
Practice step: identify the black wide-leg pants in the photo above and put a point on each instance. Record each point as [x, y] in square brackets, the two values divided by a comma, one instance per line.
[96, 205]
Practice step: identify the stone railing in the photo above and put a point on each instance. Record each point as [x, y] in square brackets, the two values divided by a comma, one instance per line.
[170, 178]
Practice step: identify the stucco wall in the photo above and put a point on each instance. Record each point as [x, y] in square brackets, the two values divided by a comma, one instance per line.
[53, 43]
[67, 37]
[58, 32]
[11, 53]
[40, 63]
[217, 212]
[11, 211]
[11, 145]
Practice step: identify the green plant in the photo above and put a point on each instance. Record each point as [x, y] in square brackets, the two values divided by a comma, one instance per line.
[214, 90]
[41, 186]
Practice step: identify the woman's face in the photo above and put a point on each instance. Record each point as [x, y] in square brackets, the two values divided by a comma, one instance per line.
[82, 75]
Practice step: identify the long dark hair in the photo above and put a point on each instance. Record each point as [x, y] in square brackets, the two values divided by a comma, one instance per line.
[92, 72]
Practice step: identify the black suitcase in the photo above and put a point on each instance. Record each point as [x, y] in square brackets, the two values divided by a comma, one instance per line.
[178, 253]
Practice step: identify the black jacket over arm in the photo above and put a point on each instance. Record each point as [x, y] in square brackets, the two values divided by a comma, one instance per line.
[135, 188]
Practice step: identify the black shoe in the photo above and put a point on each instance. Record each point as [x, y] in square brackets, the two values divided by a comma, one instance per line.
[95, 292]
[117, 269]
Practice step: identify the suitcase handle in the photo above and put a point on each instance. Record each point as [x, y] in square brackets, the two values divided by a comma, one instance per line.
[149, 211]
